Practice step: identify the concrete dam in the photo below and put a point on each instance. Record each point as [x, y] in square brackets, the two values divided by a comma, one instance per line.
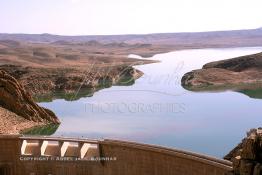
[24, 155]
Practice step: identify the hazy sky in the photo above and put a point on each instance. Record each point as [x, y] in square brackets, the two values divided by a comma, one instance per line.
[86, 17]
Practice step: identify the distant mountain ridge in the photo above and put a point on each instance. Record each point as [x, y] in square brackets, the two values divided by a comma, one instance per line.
[216, 39]
[248, 37]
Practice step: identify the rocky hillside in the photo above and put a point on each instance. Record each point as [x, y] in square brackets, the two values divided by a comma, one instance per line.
[247, 156]
[49, 81]
[237, 74]
[15, 100]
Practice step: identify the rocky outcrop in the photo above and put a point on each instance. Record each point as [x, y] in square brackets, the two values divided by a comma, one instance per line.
[247, 156]
[228, 74]
[14, 98]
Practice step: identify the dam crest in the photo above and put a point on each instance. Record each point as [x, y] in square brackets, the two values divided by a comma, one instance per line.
[37, 155]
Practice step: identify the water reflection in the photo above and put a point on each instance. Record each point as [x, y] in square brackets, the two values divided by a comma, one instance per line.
[125, 79]
[252, 93]
[251, 90]
[41, 130]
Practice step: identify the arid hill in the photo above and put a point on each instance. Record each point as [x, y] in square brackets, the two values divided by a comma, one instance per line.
[56, 55]
[242, 74]
[44, 69]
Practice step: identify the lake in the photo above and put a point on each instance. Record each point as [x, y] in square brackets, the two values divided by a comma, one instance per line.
[157, 110]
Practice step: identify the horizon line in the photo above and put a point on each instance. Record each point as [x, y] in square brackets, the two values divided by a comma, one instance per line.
[54, 34]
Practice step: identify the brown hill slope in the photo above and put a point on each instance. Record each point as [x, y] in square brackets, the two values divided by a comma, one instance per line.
[241, 73]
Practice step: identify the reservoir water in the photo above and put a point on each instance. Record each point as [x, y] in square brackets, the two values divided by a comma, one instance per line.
[157, 110]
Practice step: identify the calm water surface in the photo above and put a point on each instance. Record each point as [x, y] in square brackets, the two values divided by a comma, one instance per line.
[157, 110]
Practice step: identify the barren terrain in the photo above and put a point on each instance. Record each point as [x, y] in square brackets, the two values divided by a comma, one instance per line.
[242, 74]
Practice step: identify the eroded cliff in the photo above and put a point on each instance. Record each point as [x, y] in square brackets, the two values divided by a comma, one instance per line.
[16, 102]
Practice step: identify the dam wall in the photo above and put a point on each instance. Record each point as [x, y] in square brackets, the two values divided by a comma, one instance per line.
[23, 155]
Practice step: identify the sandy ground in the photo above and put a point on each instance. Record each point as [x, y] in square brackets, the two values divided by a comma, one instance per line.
[10, 123]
